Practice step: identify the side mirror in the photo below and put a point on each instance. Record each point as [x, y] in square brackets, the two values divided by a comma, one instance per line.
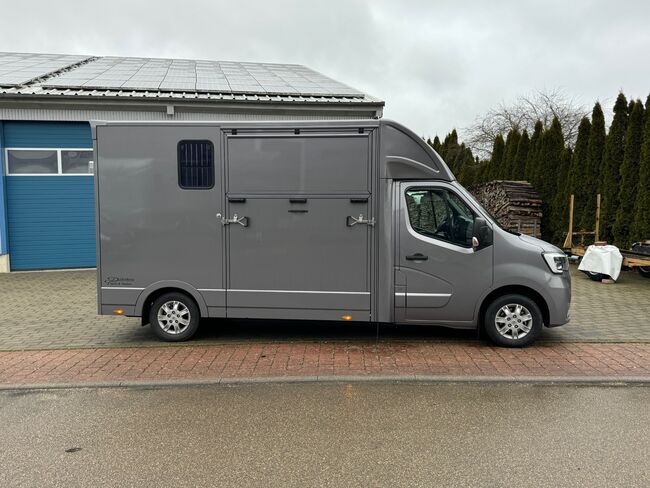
[482, 234]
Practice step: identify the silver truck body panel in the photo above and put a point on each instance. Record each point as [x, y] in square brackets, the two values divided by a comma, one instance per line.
[327, 231]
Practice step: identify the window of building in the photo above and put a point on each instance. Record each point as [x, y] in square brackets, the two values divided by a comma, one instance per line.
[440, 214]
[195, 164]
[32, 162]
[77, 162]
[49, 162]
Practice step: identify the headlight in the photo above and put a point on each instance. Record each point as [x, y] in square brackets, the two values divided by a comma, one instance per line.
[557, 261]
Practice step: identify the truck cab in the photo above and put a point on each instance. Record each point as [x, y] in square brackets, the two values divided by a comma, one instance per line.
[455, 265]
[327, 220]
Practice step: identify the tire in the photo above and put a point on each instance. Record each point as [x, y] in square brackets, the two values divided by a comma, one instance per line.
[520, 317]
[643, 249]
[596, 276]
[183, 313]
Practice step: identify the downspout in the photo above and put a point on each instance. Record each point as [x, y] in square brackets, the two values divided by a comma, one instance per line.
[4, 231]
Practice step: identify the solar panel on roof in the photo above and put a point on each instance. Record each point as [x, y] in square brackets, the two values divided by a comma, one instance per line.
[19, 68]
[155, 74]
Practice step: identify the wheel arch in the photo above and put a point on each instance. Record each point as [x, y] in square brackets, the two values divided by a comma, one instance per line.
[152, 292]
[519, 290]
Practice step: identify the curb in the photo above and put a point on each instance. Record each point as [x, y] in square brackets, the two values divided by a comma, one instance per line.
[354, 342]
[423, 379]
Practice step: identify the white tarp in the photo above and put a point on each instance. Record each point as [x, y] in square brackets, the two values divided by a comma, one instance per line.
[602, 259]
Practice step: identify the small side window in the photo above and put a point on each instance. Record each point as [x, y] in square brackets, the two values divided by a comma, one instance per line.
[195, 165]
[76, 162]
[32, 162]
[440, 214]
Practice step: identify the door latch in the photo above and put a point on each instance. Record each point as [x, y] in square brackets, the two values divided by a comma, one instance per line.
[350, 221]
[243, 221]
[417, 257]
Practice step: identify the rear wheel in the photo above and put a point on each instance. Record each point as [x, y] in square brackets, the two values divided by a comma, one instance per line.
[644, 271]
[174, 317]
[513, 321]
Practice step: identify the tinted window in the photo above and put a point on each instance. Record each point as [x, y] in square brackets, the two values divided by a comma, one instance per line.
[195, 164]
[76, 162]
[32, 162]
[440, 214]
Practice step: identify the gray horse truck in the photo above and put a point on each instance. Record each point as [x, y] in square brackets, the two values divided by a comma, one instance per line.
[308, 220]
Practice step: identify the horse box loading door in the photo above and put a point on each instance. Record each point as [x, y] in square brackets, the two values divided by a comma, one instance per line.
[298, 225]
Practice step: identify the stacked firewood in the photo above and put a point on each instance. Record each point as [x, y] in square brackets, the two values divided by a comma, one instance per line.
[515, 204]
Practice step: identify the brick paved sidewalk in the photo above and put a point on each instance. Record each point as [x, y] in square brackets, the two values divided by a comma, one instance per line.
[217, 362]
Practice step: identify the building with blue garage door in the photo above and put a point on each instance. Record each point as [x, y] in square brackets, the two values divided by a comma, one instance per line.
[47, 216]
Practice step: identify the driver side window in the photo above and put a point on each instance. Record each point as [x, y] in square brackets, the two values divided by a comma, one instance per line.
[440, 214]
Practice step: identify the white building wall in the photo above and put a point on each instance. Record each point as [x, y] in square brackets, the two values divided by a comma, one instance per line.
[70, 114]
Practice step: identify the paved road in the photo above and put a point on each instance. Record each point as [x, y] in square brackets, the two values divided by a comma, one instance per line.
[327, 435]
[56, 310]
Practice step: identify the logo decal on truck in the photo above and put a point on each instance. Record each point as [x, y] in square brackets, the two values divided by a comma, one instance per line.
[116, 281]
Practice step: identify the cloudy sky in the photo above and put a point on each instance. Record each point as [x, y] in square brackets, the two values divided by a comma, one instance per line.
[437, 64]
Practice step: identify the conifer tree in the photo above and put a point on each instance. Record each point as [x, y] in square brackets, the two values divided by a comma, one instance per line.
[533, 152]
[538, 163]
[630, 107]
[612, 161]
[468, 170]
[482, 171]
[512, 141]
[576, 179]
[591, 175]
[549, 163]
[477, 175]
[629, 177]
[464, 153]
[436, 144]
[497, 158]
[501, 172]
[560, 210]
[641, 225]
[450, 149]
[458, 158]
[519, 163]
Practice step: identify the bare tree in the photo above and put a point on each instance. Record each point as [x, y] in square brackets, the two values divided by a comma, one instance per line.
[522, 114]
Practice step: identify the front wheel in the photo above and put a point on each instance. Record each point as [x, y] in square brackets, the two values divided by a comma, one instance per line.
[644, 271]
[513, 321]
[174, 317]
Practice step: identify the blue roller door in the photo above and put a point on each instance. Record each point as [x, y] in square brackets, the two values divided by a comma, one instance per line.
[51, 219]
[51, 222]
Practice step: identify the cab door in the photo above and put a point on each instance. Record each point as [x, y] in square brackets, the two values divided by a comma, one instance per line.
[439, 276]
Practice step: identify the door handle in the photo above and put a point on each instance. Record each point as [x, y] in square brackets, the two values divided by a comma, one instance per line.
[350, 221]
[243, 221]
[417, 257]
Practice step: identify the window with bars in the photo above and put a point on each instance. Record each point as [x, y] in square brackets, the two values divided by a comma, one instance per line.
[195, 165]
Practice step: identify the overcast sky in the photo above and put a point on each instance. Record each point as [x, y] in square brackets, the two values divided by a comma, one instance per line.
[437, 64]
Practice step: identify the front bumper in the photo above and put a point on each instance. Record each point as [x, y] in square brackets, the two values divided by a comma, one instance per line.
[559, 299]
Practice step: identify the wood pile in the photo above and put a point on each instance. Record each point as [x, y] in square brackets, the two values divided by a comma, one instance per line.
[515, 204]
